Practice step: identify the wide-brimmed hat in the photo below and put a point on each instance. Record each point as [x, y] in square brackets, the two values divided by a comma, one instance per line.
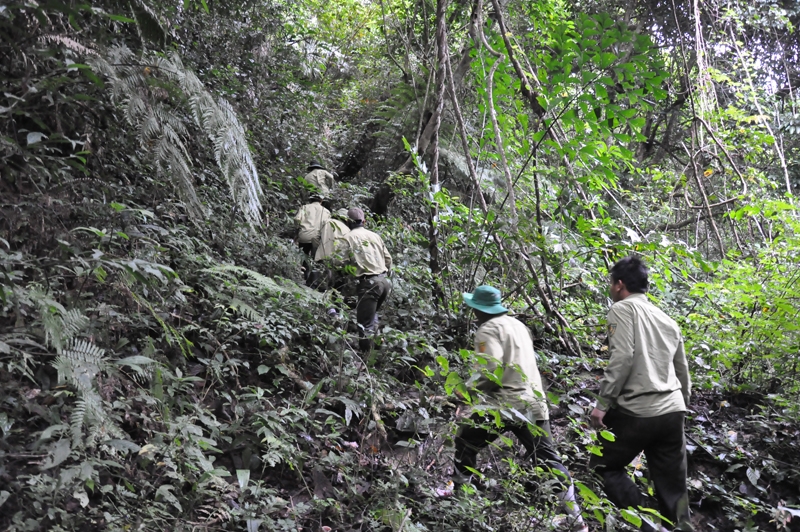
[486, 299]
[316, 196]
[315, 164]
[341, 214]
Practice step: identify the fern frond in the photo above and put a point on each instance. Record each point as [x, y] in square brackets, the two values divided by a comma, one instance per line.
[246, 310]
[78, 363]
[264, 284]
[76, 420]
[73, 322]
[218, 119]
[119, 54]
[162, 132]
[147, 22]
[51, 312]
[100, 423]
[53, 329]
[69, 43]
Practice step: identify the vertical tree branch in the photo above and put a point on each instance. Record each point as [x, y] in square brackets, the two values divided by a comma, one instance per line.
[443, 57]
[498, 136]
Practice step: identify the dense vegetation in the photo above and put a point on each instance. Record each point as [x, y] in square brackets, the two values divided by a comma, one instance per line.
[162, 368]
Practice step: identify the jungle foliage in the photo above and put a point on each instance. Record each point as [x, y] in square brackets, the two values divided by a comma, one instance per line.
[161, 364]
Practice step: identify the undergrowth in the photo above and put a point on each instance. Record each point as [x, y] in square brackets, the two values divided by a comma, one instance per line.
[161, 366]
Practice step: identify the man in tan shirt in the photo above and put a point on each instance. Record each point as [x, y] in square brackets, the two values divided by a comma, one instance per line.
[320, 179]
[329, 238]
[333, 229]
[310, 219]
[364, 255]
[643, 398]
[510, 380]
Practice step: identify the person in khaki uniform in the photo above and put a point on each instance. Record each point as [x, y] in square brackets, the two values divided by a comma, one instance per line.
[505, 342]
[329, 237]
[334, 228]
[364, 254]
[643, 398]
[310, 219]
[320, 179]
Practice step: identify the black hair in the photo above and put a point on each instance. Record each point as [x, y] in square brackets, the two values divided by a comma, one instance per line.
[482, 317]
[633, 272]
[352, 224]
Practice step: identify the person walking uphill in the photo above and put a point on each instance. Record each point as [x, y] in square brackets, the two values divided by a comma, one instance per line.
[506, 342]
[366, 253]
[332, 230]
[310, 219]
[320, 179]
[643, 398]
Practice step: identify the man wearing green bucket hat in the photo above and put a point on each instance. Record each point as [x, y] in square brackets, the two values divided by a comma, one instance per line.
[505, 342]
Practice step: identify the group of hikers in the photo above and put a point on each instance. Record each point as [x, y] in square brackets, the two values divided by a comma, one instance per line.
[643, 395]
[642, 400]
[339, 249]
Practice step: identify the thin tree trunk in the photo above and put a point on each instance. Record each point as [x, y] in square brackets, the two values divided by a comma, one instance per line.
[443, 58]
[458, 76]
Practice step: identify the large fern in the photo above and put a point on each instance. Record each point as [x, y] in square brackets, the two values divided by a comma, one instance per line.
[222, 126]
[59, 325]
[248, 279]
[161, 132]
[79, 362]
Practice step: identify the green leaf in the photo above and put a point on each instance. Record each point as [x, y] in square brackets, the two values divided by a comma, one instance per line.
[165, 493]
[453, 380]
[5, 424]
[35, 137]
[59, 452]
[243, 477]
[119, 18]
[631, 517]
[313, 392]
[94, 78]
[753, 475]
[576, 409]
[123, 445]
[607, 435]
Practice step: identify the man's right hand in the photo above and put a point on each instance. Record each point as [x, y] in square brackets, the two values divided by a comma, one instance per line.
[596, 419]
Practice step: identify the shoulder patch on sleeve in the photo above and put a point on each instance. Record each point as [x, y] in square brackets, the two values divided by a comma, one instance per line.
[481, 347]
[612, 328]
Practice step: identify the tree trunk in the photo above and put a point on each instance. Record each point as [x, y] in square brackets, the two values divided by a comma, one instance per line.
[443, 59]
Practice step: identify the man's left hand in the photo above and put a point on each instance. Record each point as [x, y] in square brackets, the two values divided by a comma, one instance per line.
[596, 419]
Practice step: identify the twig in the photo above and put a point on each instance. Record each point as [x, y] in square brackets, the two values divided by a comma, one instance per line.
[403, 522]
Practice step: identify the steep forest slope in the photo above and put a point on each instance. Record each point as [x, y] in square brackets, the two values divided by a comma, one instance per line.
[162, 365]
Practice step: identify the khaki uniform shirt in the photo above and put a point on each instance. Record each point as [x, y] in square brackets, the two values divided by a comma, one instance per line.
[364, 250]
[311, 218]
[506, 343]
[322, 179]
[331, 231]
[647, 374]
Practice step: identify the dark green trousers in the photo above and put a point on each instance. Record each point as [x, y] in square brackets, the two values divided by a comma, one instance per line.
[664, 444]
[474, 436]
[372, 291]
